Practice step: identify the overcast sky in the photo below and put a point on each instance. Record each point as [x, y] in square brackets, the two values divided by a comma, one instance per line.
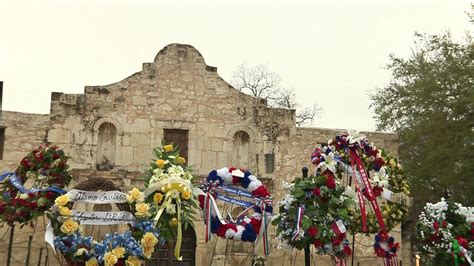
[330, 52]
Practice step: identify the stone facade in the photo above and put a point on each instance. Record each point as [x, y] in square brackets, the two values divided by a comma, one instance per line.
[114, 128]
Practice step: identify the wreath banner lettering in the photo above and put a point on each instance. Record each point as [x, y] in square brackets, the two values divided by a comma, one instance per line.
[97, 197]
[102, 218]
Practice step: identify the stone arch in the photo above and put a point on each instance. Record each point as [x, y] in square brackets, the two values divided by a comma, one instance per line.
[241, 149]
[110, 120]
[231, 132]
[106, 146]
[252, 149]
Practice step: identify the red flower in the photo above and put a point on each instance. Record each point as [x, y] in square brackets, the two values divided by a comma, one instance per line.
[317, 243]
[235, 180]
[444, 224]
[224, 227]
[347, 250]
[336, 241]
[331, 182]
[436, 225]
[261, 192]
[56, 156]
[463, 242]
[317, 192]
[312, 231]
[377, 191]
[49, 195]
[256, 224]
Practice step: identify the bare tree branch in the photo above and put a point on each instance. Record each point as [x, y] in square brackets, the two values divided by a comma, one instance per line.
[260, 82]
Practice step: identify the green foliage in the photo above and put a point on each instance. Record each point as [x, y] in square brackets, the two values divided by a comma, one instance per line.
[429, 104]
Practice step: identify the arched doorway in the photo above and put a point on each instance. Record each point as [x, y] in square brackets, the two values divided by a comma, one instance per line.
[105, 159]
[240, 156]
[164, 256]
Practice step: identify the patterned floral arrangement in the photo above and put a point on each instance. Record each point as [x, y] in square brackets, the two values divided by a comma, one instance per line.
[387, 181]
[48, 167]
[170, 193]
[129, 248]
[245, 228]
[316, 210]
[446, 232]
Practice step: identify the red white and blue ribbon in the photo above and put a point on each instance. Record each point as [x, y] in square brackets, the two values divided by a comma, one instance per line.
[299, 224]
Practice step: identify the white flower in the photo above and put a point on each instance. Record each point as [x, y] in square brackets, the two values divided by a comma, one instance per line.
[349, 192]
[171, 209]
[175, 170]
[287, 186]
[329, 163]
[380, 178]
[80, 252]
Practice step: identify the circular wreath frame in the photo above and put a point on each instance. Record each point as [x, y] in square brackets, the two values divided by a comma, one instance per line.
[388, 174]
[249, 228]
[322, 200]
[131, 247]
[48, 166]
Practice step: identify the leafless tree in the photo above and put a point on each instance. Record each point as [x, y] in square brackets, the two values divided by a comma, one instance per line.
[260, 82]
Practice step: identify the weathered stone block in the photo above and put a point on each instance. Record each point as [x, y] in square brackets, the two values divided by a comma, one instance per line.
[59, 136]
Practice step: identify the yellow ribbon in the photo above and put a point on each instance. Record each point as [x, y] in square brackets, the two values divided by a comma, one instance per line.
[166, 203]
[177, 249]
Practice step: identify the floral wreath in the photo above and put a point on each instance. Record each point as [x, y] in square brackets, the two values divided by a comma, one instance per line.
[386, 247]
[446, 232]
[48, 167]
[243, 228]
[343, 156]
[128, 248]
[316, 210]
[170, 193]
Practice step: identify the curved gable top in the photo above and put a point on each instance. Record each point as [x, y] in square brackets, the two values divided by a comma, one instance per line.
[181, 54]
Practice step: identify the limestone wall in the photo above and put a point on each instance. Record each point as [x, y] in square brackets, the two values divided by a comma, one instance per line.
[23, 133]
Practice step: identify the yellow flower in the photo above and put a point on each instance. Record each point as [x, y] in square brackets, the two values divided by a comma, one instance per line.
[180, 160]
[147, 251]
[119, 252]
[69, 226]
[141, 210]
[110, 259]
[174, 222]
[149, 240]
[168, 148]
[392, 163]
[65, 211]
[133, 261]
[92, 262]
[158, 197]
[186, 194]
[61, 200]
[160, 163]
[135, 195]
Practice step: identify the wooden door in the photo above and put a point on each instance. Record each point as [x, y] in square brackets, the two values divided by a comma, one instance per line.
[164, 256]
[178, 137]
